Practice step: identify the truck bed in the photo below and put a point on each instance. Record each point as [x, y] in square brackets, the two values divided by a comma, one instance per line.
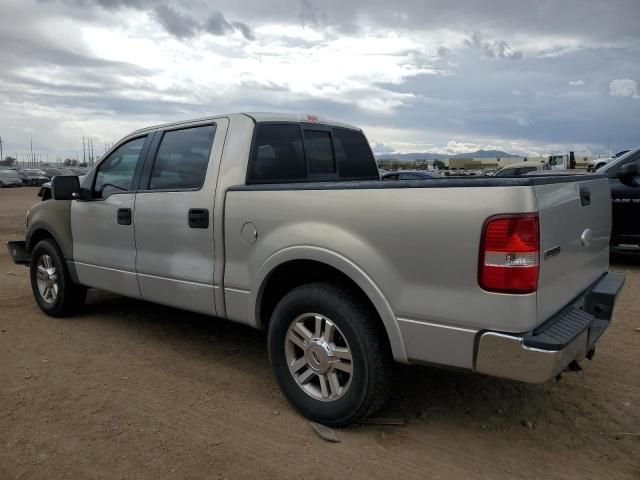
[418, 243]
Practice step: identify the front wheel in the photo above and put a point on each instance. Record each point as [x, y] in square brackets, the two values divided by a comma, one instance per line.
[52, 287]
[329, 354]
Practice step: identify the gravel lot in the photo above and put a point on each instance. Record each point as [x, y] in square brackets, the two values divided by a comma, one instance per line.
[128, 389]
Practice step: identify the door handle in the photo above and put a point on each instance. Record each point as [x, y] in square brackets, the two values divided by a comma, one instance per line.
[199, 218]
[124, 216]
[585, 196]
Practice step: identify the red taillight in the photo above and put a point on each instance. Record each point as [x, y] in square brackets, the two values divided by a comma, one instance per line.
[509, 254]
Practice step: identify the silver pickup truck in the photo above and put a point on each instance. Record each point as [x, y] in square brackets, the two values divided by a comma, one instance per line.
[281, 222]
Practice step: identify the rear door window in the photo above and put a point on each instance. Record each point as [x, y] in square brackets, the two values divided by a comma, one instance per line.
[327, 154]
[278, 154]
[355, 159]
[319, 150]
[182, 159]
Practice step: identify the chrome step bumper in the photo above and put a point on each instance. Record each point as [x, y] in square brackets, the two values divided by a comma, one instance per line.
[538, 356]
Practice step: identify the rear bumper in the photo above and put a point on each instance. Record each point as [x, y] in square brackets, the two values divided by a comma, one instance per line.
[570, 335]
[18, 252]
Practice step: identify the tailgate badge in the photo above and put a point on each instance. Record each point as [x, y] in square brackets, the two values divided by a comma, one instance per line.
[586, 237]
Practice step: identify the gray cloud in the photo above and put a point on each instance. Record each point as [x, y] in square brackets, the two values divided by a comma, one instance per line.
[182, 23]
[175, 22]
[179, 18]
[624, 87]
[311, 14]
[216, 24]
[493, 49]
[52, 84]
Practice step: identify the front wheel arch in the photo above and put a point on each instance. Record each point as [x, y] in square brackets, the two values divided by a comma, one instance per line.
[36, 236]
[69, 296]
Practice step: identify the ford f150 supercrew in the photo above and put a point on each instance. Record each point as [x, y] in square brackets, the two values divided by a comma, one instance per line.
[281, 222]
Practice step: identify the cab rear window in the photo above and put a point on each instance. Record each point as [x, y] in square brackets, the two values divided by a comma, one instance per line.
[290, 152]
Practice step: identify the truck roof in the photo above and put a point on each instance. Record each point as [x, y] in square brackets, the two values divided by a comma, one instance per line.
[259, 117]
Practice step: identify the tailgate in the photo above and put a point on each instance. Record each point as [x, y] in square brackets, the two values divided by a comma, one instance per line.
[575, 224]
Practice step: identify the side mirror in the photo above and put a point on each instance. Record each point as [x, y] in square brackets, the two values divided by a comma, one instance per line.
[627, 174]
[65, 188]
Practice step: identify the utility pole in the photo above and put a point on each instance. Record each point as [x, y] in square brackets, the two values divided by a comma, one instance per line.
[33, 159]
[1, 156]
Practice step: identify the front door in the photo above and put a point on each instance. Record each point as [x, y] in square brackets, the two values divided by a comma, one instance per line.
[174, 217]
[104, 248]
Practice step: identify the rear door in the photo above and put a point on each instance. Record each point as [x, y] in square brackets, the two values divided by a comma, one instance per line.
[174, 217]
[575, 223]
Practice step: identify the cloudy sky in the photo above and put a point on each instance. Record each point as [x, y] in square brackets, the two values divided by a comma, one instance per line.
[447, 76]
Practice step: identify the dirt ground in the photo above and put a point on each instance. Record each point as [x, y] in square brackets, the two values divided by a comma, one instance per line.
[128, 389]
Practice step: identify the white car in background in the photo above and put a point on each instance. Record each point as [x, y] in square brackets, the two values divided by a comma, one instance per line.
[518, 169]
[596, 163]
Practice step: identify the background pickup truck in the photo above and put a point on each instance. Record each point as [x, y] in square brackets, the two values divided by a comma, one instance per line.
[282, 223]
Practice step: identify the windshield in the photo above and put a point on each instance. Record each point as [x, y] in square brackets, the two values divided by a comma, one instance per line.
[32, 171]
[621, 160]
[8, 173]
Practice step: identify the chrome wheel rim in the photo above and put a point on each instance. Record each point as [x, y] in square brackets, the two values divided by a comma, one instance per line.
[319, 357]
[47, 279]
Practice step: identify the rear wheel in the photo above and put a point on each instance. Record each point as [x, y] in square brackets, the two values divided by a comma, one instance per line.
[52, 287]
[329, 354]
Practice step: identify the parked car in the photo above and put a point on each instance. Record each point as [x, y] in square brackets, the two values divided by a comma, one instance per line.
[624, 179]
[33, 176]
[598, 163]
[410, 175]
[273, 221]
[10, 178]
[57, 171]
[518, 169]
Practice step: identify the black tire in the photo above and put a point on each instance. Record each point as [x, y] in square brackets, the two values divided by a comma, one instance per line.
[370, 353]
[70, 297]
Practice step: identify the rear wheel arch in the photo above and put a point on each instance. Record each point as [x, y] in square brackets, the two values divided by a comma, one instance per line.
[329, 358]
[296, 266]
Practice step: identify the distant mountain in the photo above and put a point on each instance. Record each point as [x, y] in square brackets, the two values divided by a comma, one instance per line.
[410, 157]
[485, 154]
